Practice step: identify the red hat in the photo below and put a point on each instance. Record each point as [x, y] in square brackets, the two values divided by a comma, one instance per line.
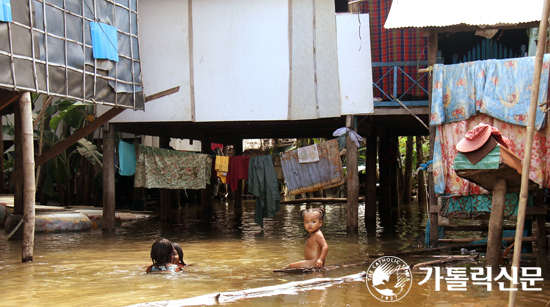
[474, 138]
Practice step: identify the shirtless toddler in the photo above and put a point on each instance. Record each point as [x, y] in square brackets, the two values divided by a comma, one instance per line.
[316, 247]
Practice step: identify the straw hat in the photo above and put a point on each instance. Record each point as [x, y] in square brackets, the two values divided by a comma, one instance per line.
[474, 138]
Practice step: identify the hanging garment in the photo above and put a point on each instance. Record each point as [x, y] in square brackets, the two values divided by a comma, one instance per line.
[222, 166]
[447, 183]
[238, 169]
[127, 158]
[171, 169]
[262, 183]
[309, 177]
[500, 88]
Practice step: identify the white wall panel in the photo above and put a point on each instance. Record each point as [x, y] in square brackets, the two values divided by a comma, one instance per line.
[164, 50]
[241, 59]
[354, 64]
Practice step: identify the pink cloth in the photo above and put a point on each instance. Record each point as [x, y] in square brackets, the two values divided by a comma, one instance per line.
[450, 134]
[238, 169]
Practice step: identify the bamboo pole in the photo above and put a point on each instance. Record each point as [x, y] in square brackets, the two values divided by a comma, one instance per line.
[432, 201]
[523, 195]
[29, 189]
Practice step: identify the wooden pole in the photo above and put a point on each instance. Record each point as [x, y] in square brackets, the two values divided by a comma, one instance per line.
[395, 191]
[524, 192]
[108, 223]
[432, 204]
[384, 200]
[29, 189]
[2, 182]
[165, 194]
[206, 194]
[421, 193]
[370, 193]
[352, 179]
[18, 162]
[407, 180]
[494, 242]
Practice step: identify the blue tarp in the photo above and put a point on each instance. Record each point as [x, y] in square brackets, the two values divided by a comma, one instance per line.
[5, 10]
[127, 155]
[104, 41]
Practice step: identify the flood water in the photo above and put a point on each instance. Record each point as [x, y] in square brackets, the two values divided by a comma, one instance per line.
[229, 252]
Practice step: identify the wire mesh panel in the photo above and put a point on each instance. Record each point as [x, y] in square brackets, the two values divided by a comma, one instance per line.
[48, 49]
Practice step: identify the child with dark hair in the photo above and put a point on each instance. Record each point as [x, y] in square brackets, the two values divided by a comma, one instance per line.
[161, 255]
[316, 247]
[178, 256]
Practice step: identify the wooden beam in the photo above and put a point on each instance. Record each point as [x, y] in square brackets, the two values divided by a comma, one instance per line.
[6, 103]
[494, 243]
[401, 111]
[64, 144]
[162, 94]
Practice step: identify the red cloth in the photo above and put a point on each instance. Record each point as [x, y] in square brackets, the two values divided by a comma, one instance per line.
[238, 169]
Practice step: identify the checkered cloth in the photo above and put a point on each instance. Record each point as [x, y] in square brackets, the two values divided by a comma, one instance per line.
[396, 45]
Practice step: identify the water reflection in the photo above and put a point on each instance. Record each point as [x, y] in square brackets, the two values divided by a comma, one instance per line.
[228, 251]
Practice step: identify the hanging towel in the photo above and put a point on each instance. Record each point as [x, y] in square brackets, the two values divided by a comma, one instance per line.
[171, 169]
[238, 169]
[309, 177]
[262, 182]
[127, 158]
[222, 166]
[308, 154]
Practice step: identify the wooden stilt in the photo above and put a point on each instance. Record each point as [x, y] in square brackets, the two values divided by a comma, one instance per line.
[108, 222]
[407, 179]
[395, 192]
[494, 242]
[352, 179]
[384, 200]
[2, 181]
[165, 194]
[421, 193]
[29, 188]
[542, 240]
[206, 194]
[370, 191]
[434, 215]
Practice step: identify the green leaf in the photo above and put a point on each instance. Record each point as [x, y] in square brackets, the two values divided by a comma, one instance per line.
[89, 151]
[47, 187]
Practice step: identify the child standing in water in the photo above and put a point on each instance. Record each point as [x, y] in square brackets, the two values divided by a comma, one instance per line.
[161, 254]
[316, 247]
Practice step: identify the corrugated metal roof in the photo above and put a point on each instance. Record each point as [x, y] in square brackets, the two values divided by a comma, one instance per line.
[443, 13]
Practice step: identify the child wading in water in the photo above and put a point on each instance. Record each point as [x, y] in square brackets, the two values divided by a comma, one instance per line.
[316, 247]
[161, 254]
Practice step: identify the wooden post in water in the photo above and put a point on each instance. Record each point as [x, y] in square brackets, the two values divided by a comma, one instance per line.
[421, 193]
[494, 242]
[29, 189]
[395, 189]
[370, 169]
[384, 199]
[432, 205]
[352, 179]
[2, 182]
[407, 180]
[206, 194]
[165, 194]
[108, 219]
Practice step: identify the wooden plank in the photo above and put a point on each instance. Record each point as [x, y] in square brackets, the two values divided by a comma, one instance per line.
[536, 210]
[474, 227]
[162, 94]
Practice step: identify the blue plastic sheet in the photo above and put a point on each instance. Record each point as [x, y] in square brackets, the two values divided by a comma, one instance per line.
[5, 10]
[104, 41]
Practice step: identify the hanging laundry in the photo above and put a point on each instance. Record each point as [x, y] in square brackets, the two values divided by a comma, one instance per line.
[127, 158]
[308, 154]
[309, 177]
[222, 166]
[499, 88]
[171, 169]
[238, 169]
[262, 183]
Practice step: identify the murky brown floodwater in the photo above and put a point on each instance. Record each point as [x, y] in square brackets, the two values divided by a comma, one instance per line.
[229, 252]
